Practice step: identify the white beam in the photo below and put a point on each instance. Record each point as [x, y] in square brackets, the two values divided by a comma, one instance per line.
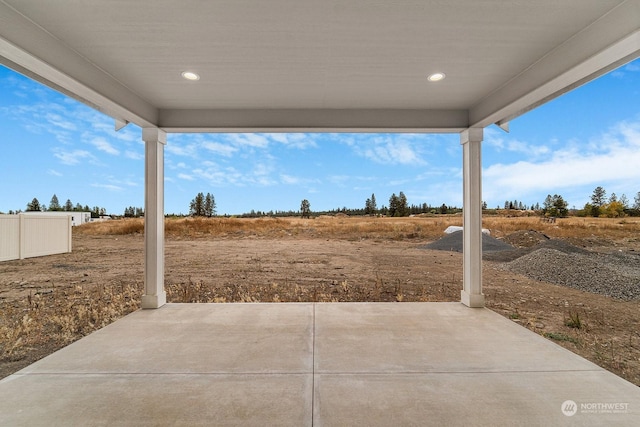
[314, 120]
[471, 140]
[154, 294]
[30, 50]
[606, 44]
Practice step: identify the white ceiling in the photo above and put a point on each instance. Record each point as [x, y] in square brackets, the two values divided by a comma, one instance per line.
[317, 64]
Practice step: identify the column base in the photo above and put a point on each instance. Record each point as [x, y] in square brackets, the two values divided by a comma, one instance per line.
[154, 301]
[472, 300]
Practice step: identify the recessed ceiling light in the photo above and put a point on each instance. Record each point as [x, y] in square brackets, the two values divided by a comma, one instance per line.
[190, 75]
[436, 77]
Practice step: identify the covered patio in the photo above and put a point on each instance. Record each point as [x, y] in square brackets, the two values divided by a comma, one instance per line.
[315, 66]
[321, 364]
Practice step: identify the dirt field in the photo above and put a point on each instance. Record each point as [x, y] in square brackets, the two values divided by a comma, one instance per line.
[48, 302]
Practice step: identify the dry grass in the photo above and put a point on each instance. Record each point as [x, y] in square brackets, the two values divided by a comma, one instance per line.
[112, 228]
[379, 291]
[357, 228]
[53, 318]
[610, 228]
[328, 227]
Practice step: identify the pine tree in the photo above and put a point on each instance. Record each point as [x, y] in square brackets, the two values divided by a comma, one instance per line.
[555, 206]
[305, 209]
[373, 205]
[393, 205]
[54, 205]
[196, 207]
[560, 206]
[34, 206]
[624, 201]
[68, 206]
[402, 205]
[548, 205]
[597, 200]
[209, 205]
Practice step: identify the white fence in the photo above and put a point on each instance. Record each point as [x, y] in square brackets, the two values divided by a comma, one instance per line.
[25, 236]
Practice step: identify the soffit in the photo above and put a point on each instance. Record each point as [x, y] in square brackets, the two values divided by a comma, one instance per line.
[312, 64]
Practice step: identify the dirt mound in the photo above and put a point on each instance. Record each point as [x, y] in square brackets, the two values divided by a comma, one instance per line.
[453, 243]
[525, 238]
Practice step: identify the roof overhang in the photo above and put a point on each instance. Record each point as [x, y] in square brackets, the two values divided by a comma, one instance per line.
[327, 66]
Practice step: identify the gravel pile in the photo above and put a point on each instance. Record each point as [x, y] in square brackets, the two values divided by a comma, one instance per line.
[557, 261]
[555, 244]
[616, 275]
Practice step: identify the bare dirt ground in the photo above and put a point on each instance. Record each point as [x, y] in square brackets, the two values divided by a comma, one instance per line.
[48, 302]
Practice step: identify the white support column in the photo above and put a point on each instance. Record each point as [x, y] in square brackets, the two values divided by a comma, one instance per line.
[154, 294]
[471, 140]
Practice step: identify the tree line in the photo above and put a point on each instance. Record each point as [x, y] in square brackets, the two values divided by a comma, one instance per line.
[611, 207]
[54, 206]
[599, 206]
[205, 205]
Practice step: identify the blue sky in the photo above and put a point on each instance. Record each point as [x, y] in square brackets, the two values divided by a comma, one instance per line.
[52, 144]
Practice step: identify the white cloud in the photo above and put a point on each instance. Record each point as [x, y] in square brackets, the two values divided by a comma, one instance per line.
[403, 149]
[288, 179]
[613, 156]
[54, 172]
[134, 155]
[72, 157]
[220, 149]
[393, 152]
[499, 142]
[186, 177]
[296, 180]
[261, 175]
[249, 139]
[59, 121]
[178, 149]
[110, 187]
[217, 176]
[103, 145]
[294, 140]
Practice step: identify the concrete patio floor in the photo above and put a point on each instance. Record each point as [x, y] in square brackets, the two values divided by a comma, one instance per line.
[297, 364]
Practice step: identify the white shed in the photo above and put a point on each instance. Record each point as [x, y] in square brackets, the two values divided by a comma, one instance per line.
[77, 218]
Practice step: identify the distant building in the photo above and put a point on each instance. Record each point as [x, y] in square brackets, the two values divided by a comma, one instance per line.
[101, 218]
[77, 218]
